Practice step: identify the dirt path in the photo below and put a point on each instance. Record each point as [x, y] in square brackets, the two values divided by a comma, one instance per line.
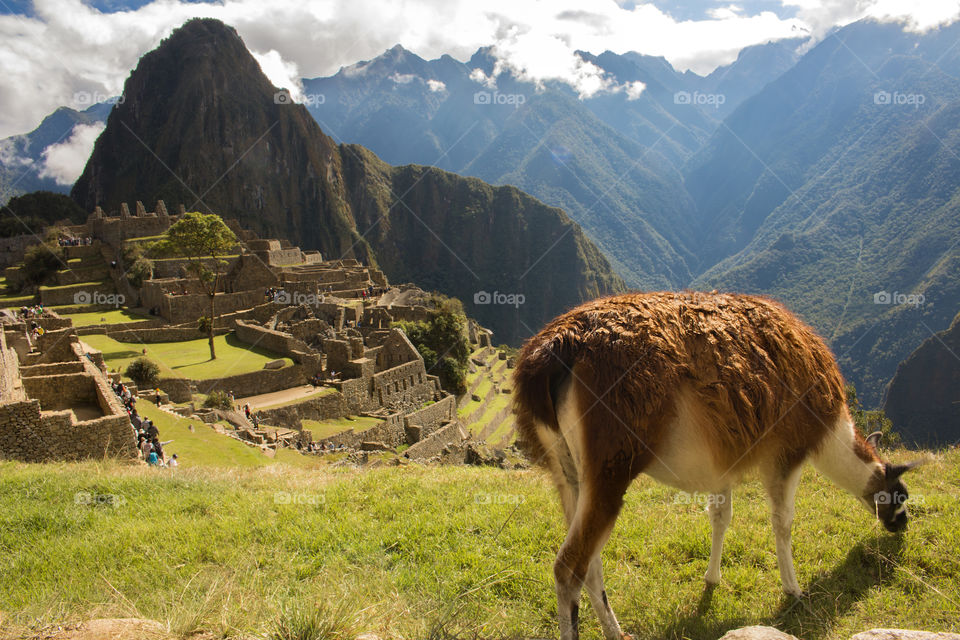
[286, 395]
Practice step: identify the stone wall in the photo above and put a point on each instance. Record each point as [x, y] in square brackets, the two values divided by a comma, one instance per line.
[278, 341]
[281, 257]
[13, 249]
[255, 382]
[54, 368]
[395, 350]
[34, 435]
[404, 384]
[178, 267]
[178, 309]
[250, 272]
[114, 230]
[153, 334]
[329, 406]
[50, 297]
[389, 432]
[424, 422]
[453, 434]
[55, 346]
[11, 388]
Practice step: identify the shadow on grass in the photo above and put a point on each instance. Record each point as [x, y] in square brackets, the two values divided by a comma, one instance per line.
[120, 355]
[831, 595]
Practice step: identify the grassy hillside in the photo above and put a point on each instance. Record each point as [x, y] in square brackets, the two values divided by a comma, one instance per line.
[445, 552]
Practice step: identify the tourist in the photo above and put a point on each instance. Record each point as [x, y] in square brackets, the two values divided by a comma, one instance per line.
[173, 464]
[145, 447]
[157, 392]
[153, 459]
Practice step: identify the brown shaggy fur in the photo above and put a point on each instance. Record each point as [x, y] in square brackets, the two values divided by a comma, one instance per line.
[760, 372]
[714, 383]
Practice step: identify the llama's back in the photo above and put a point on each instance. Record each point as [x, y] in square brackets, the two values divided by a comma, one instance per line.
[757, 371]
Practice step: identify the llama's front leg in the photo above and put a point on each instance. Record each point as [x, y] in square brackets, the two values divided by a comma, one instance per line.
[782, 488]
[720, 510]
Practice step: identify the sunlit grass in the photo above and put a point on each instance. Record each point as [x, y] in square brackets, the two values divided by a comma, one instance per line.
[449, 552]
[187, 359]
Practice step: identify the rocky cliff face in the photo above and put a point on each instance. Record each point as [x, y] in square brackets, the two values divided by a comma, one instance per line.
[923, 399]
[200, 124]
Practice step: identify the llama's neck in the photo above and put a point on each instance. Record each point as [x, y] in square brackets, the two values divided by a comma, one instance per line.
[844, 458]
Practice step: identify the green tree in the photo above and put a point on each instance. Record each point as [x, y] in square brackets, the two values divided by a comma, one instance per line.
[42, 261]
[204, 239]
[145, 372]
[442, 341]
[31, 212]
[868, 421]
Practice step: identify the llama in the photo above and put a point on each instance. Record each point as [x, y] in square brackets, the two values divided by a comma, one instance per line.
[694, 390]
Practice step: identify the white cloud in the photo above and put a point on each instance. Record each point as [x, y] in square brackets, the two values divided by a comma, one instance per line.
[436, 85]
[64, 161]
[68, 47]
[478, 76]
[281, 73]
[634, 89]
[403, 78]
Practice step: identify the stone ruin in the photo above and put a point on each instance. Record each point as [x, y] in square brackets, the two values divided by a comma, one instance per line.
[55, 398]
[331, 317]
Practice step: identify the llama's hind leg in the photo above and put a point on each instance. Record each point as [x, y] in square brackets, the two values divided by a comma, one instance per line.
[781, 486]
[720, 510]
[591, 527]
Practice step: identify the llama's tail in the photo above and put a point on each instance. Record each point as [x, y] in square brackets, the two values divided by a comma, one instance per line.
[544, 363]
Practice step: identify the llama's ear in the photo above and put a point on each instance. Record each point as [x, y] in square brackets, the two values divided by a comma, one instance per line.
[894, 471]
[874, 440]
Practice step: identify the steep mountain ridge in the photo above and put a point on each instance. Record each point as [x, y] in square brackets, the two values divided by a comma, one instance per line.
[201, 124]
[21, 156]
[836, 182]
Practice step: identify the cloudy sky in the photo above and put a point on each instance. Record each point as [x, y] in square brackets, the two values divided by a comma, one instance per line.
[71, 52]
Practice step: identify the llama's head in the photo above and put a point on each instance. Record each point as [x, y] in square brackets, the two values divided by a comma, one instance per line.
[887, 495]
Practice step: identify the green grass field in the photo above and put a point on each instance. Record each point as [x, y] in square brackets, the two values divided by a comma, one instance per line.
[329, 428]
[187, 359]
[450, 552]
[113, 316]
[204, 447]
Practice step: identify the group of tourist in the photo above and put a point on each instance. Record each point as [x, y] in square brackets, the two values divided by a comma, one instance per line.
[249, 414]
[75, 242]
[321, 447]
[35, 311]
[148, 435]
[272, 294]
